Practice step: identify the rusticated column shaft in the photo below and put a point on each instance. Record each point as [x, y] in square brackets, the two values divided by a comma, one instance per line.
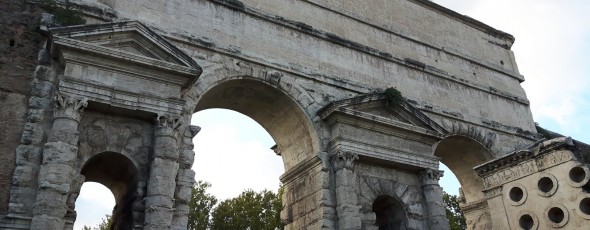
[432, 192]
[347, 207]
[159, 201]
[57, 171]
[184, 180]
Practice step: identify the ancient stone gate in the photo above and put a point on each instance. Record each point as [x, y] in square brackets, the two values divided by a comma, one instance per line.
[111, 102]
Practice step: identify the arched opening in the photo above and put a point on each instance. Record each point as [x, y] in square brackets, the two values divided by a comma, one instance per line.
[281, 114]
[120, 176]
[275, 111]
[389, 213]
[461, 154]
[93, 204]
[238, 143]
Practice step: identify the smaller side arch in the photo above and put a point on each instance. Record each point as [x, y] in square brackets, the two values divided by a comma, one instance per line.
[389, 213]
[120, 175]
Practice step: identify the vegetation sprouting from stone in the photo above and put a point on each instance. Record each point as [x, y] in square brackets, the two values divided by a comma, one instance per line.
[393, 96]
[454, 214]
[545, 133]
[64, 16]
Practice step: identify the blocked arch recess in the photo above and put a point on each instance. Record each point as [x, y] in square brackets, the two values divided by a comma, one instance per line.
[278, 113]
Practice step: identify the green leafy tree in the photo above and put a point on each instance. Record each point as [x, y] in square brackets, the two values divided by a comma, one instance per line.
[454, 213]
[250, 210]
[200, 206]
[105, 224]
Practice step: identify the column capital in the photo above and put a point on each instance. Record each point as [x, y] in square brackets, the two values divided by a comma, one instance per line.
[68, 106]
[430, 176]
[167, 125]
[343, 159]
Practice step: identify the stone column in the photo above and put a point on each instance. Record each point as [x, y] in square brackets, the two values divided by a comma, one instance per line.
[159, 200]
[347, 207]
[75, 187]
[433, 193]
[185, 179]
[57, 171]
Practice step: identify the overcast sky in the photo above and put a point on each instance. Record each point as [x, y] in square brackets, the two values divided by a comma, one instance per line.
[552, 50]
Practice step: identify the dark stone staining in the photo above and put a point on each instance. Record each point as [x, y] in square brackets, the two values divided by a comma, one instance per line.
[503, 46]
[234, 4]
[303, 26]
[385, 55]
[415, 63]
[203, 42]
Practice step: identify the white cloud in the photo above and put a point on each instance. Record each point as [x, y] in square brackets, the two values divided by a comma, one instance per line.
[232, 164]
[550, 36]
[94, 202]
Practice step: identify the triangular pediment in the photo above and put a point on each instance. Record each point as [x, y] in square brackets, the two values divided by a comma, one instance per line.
[375, 107]
[126, 40]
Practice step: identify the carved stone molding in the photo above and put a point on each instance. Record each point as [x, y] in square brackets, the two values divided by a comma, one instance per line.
[343, 159]
[430, 176]
[167, 125]
[69, 107]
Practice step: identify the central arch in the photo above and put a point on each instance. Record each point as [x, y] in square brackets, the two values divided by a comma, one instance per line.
[280, 115]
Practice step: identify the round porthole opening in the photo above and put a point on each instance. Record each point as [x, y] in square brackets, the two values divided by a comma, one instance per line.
[577, 174]
[516, 194]
[555, 215]
[545, 184]
[526, 221]
[585, 206]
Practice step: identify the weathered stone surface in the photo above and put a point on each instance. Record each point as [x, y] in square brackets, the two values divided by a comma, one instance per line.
[308, 71]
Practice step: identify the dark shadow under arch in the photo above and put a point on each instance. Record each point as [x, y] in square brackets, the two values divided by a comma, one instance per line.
[120, 175]
[461, 154]
[389, 213]
[275, 111]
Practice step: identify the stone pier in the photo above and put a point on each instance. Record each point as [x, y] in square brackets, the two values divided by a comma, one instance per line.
[56, 173]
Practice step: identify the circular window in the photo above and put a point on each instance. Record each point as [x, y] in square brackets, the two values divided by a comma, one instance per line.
[527, 220]
[584, 207]
[547, 185]
[556, 215]
[517, 195]
[579, 176]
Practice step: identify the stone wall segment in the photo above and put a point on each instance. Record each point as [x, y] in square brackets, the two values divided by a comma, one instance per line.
[241, 33]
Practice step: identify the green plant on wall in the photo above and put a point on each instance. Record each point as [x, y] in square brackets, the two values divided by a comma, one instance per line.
[64, 16]
[393, 97]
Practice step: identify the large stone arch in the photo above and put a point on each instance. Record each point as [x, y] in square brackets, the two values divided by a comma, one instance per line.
[283, 109]
[277, 112]
[461, 153]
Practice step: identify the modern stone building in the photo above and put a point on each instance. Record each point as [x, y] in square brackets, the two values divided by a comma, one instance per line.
[110, 101]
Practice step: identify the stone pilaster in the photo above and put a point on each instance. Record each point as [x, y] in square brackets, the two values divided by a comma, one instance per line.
[185, 179]
[159, 202]
[57, 170]
[433, 193]
[347, 207]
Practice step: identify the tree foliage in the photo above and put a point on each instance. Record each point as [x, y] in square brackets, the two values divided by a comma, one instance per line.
[250, 210]
[200, 206]
[454, 213]
[105, 224]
